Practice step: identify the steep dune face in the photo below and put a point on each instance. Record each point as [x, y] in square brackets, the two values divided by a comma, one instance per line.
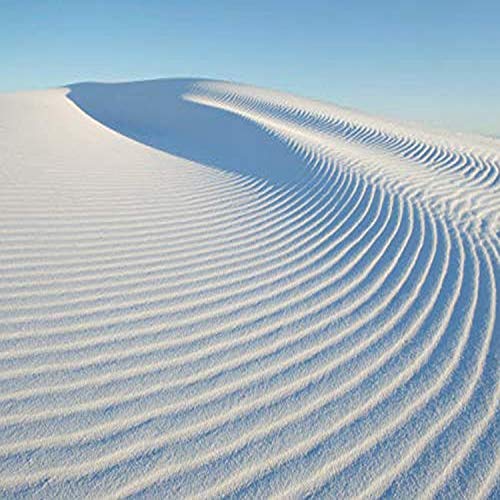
[210, 289]
[158, 113]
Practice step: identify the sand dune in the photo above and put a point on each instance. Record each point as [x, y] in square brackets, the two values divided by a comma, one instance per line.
[213, 289]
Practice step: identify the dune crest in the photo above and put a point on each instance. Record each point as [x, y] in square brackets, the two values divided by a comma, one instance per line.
[212, 289]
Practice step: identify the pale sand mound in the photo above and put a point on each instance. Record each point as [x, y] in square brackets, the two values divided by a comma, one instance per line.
[210, 289]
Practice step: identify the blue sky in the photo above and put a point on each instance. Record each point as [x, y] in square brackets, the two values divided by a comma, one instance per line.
[432, 61]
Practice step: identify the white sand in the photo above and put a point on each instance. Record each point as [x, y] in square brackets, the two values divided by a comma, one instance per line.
[210, 289]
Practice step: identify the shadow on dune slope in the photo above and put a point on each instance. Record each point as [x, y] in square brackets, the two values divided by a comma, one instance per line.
[155, 113]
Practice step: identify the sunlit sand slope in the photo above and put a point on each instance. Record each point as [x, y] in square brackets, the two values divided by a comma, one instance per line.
[212, 289]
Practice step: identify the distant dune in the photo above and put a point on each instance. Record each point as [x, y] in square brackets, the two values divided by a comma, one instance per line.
[212, 289]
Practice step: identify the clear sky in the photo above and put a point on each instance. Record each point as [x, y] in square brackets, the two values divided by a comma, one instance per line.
[433, 61]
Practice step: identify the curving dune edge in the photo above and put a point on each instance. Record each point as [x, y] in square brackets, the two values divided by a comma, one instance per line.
[212, 289]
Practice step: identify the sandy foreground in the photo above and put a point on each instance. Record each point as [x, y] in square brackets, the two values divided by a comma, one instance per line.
[212, 289]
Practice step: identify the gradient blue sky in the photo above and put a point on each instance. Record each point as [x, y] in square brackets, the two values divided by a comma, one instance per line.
[432, 61]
